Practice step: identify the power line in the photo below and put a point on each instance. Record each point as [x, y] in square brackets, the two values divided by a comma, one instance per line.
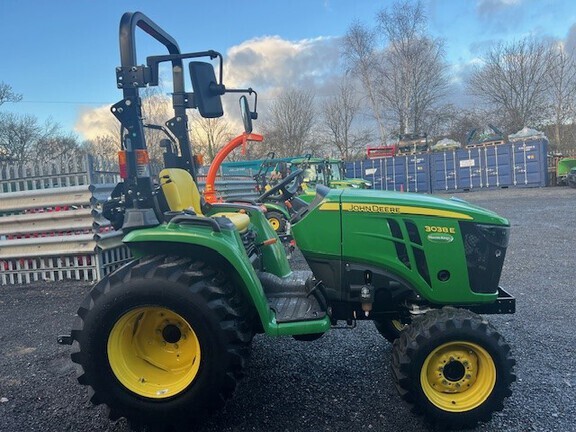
[65, 102]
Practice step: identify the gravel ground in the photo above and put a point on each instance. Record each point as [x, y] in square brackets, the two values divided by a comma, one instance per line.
[343, 381]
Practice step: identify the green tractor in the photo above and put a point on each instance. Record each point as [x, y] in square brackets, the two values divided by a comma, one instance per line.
[163, 340]
[307, 172]
[327, 172]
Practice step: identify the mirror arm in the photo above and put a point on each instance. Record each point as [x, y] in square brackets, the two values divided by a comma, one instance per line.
[154, 61]
[250, 91]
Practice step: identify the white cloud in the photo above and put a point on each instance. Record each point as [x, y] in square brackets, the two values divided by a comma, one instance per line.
[271, 63]
[486, 7]
[94, 122]
[267, 64]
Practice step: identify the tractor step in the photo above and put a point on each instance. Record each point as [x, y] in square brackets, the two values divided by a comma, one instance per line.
[296, 308]
[294, 297]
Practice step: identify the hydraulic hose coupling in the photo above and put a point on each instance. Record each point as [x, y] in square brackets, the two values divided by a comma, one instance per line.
[367, 298]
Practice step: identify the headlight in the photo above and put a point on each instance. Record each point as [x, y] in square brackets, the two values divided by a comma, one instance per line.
[497, 235]
[368, 184]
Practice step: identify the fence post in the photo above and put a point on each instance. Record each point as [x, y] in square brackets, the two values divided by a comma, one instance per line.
[90, 168]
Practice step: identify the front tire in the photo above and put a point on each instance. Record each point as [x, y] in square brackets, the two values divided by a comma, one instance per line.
[162, 341]
[277, 220]
[390, 329]
[453, 367]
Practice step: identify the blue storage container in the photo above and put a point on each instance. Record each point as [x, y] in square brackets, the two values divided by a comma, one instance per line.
[505, 165]
[529, 161]
[408, 173]
[521, 164]
[443, 167]
[483, 167]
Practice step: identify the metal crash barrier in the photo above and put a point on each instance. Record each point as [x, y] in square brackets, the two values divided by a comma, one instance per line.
[51, 225]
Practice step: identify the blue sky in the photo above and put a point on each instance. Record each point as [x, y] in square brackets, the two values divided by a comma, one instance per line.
[61, 55]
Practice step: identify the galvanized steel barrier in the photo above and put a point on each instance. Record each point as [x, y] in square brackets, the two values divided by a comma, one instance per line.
[51, 225]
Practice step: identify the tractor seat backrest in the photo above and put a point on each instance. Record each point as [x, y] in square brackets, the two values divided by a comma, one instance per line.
[180, 190]
[181, 193]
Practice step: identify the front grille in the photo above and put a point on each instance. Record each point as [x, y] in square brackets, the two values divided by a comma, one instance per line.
[485, 248]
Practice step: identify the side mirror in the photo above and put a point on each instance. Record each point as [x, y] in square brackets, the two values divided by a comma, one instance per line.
[207, 91]
[246, 114]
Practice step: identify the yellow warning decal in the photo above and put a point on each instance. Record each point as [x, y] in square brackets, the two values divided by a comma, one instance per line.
[330, 206]
[393, 209]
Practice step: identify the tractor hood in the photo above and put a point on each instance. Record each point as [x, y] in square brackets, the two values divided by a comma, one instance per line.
[438, 245]
[402, 203]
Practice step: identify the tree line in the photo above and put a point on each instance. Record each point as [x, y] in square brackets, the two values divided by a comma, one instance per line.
[395, 80]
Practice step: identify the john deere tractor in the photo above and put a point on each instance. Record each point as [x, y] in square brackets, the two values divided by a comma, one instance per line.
[163, 340]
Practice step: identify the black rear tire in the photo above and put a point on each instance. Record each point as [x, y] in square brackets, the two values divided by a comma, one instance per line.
[186, 363]
[453, 367]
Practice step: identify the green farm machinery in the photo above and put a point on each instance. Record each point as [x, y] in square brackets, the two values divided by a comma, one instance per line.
[163, 340]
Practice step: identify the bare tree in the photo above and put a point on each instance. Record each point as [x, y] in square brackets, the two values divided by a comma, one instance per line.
[339, 114]
[7, 94]
[58, 147]
[24, 139]
[562, 93]
[515, 78]
[21, 136]
[104, 147]
[156, 109]
[405, 78]
[210, 135]
[363, 61]
[288, 131]
[414, 81]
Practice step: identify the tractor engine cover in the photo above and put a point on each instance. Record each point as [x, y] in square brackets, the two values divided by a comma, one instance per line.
[446, 250]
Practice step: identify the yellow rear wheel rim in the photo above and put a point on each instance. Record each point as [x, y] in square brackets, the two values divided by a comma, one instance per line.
[458, 376]
[154, 352]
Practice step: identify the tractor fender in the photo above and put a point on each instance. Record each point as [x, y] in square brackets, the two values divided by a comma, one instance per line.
[277, 207]
[223, 248]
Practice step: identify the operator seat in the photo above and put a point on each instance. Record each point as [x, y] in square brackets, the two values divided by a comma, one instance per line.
[182, 193]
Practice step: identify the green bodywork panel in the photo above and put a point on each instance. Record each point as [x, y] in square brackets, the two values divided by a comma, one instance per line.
[357, 226]
[228, 244]
[277, 207]
[564, 166]
[333, 177]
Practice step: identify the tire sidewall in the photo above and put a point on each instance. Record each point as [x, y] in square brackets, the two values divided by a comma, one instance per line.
[152, 292]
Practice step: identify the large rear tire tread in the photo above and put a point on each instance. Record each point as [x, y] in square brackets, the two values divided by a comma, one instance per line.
[194, 288]
[438, 327]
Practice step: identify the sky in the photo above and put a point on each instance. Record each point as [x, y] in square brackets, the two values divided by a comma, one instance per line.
[61, 54]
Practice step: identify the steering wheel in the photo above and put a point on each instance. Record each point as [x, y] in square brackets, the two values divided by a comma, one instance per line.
[287, 192]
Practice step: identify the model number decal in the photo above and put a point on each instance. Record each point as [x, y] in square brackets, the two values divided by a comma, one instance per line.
[439, 229]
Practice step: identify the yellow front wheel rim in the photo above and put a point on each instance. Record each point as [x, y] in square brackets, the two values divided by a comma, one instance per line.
[398, 325]
[154, 352]
[275, 223]
[458, 376]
